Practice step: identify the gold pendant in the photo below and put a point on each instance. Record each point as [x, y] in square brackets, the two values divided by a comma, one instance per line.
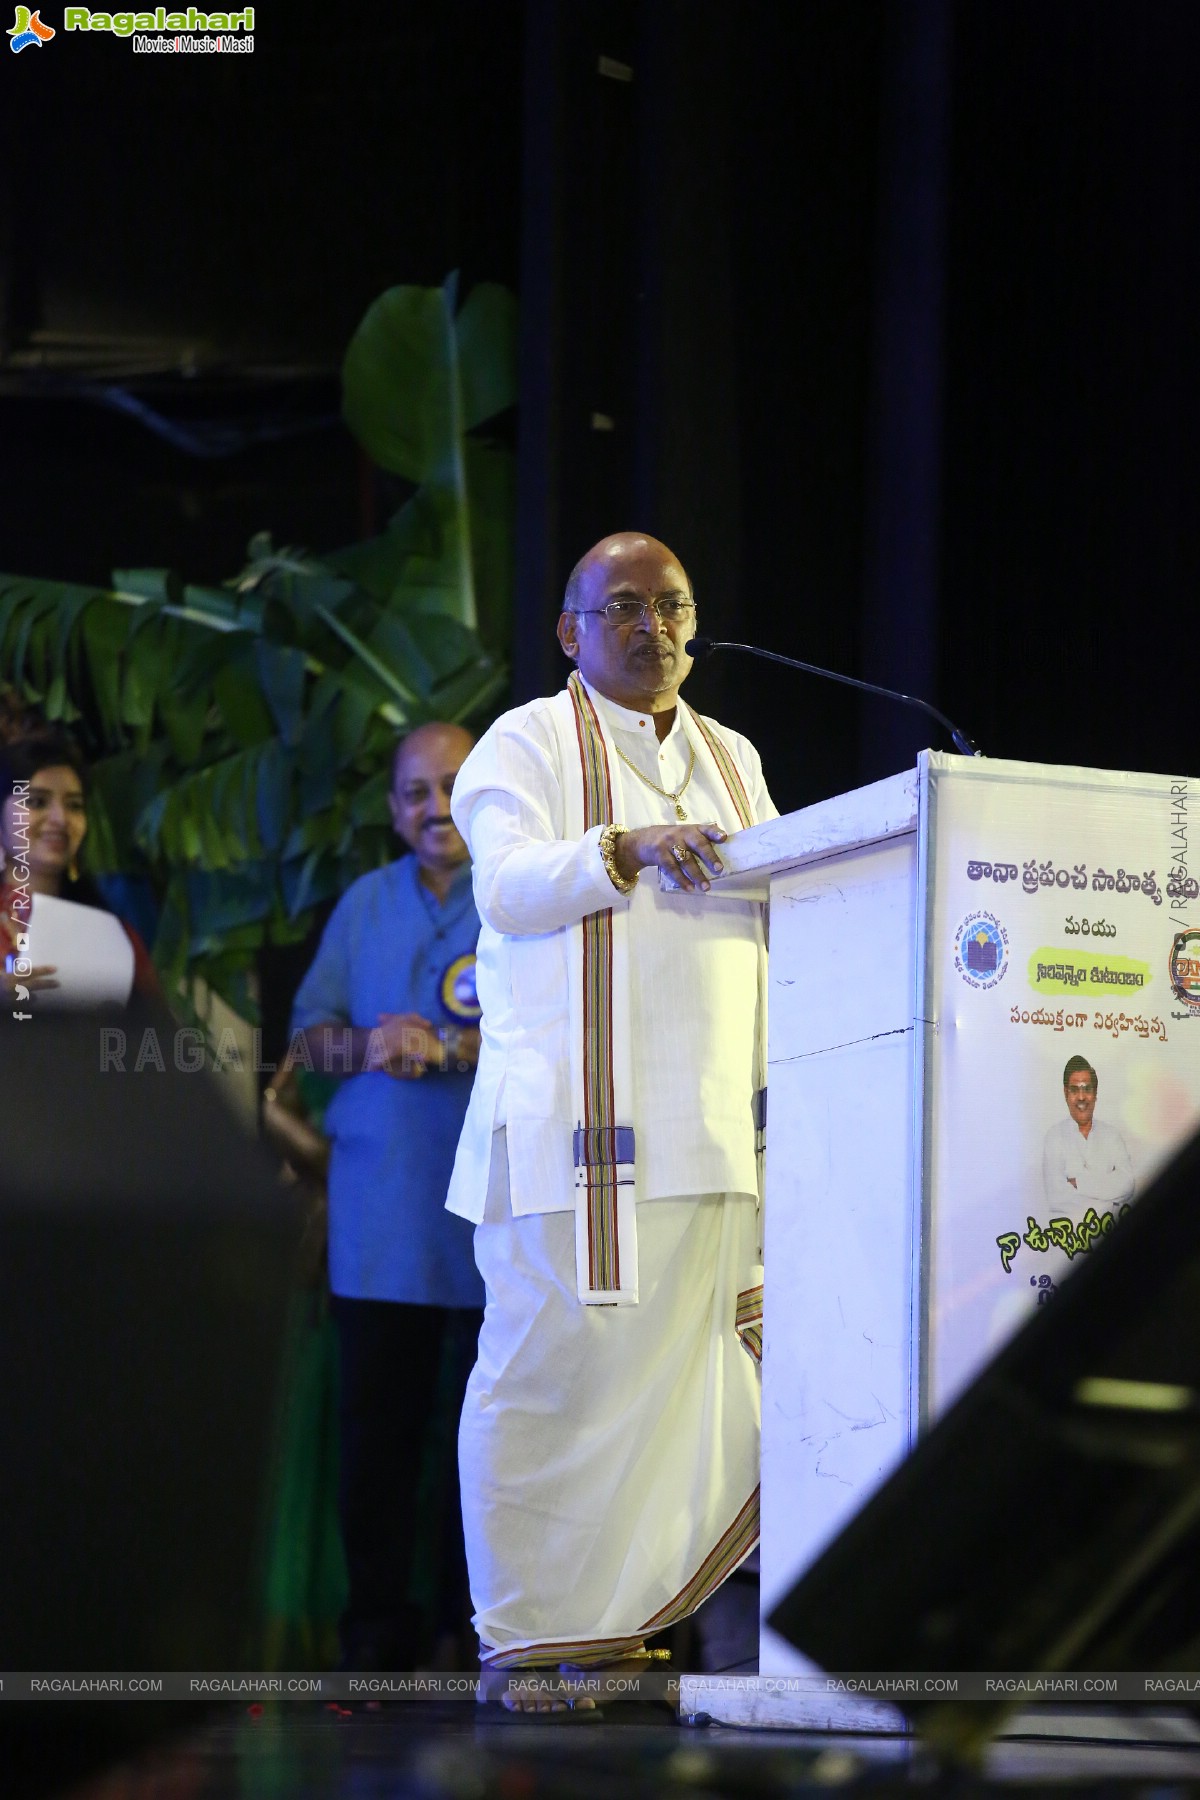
[679, 812]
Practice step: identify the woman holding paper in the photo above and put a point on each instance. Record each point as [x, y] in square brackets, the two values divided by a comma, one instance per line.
[61, 946]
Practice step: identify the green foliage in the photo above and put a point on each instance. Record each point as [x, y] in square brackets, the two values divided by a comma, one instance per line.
[241, 735]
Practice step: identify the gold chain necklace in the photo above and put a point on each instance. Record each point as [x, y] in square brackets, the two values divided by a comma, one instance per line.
[673, 798]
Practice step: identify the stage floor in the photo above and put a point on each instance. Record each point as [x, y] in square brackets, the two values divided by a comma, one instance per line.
[428, 1751]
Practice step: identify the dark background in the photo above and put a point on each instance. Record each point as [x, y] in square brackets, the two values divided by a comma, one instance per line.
[883, 315]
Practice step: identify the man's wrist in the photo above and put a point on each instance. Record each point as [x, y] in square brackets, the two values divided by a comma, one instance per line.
[458, 1047]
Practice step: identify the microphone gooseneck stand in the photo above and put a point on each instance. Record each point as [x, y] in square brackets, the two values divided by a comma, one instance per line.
[699, 647]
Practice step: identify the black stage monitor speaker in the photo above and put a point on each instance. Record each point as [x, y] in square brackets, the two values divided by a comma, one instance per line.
[147, 1260]
[1050, 1520]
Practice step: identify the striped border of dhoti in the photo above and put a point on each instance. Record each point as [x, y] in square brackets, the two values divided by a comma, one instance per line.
[722, 1559]
[749, 1321]
[584, 1653]
[596, 1139]
[728, 771]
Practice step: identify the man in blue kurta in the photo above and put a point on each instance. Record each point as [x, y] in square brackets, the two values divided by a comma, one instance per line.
[389, 1003]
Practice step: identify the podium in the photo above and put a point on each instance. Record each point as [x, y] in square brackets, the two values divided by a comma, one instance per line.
[941, 943]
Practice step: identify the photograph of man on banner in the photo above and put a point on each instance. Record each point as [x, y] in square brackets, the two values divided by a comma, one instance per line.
[1081, 1153]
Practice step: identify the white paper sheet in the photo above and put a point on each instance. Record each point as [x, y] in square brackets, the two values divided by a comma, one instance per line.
[92, 955]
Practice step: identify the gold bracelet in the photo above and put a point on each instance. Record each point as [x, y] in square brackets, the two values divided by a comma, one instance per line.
[608, 838]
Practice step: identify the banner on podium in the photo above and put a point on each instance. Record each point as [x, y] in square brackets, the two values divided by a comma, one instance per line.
[1062, 987]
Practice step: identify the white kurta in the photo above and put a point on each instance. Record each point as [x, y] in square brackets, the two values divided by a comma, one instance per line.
[694, 997]
[608, 1455]
[1098, 1163]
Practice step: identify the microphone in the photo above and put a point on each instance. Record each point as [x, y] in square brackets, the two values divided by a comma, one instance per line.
[700, 647]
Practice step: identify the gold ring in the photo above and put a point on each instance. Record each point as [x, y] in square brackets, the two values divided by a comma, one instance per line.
[678, 853]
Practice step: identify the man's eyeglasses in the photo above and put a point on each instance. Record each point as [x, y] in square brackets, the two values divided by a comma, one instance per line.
[672, 608]
[1081, 1087]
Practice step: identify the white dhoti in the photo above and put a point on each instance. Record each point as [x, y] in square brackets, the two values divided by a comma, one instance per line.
[608, 1455]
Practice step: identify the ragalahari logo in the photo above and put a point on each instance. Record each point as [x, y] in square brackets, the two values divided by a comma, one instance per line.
[28, 30]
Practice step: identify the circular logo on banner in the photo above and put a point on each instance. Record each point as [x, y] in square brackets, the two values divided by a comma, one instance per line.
[458, 991]
[1184, 967]
[981, 950]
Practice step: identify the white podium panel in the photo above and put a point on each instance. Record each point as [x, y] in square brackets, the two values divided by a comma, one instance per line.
[838, 1405]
